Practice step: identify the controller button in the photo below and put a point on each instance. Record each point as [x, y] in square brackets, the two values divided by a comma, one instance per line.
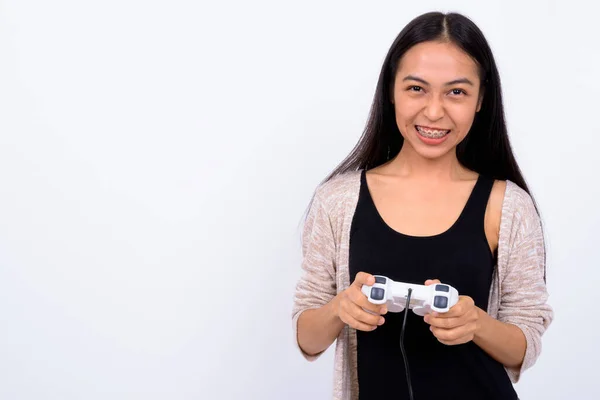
[440, 302]
[380, 279]
[377, 293]
[442, 288]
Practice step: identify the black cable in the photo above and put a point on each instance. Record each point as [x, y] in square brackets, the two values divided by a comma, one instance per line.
[408, 381]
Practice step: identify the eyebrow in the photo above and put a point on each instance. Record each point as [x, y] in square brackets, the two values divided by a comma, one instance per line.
[423, 81]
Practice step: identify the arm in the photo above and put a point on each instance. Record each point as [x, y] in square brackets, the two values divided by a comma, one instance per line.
[318, 328]
[314, 322]
[464, 322]
[514, 338]
[321, 311]
[524, 295]
[503, 342]
[523, 292]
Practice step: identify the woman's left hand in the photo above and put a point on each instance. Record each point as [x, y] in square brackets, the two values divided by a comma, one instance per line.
[457, 326]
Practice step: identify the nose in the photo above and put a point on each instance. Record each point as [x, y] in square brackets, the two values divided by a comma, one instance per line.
[434, 109]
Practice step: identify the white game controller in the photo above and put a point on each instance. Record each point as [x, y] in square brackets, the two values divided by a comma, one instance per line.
[423, 299]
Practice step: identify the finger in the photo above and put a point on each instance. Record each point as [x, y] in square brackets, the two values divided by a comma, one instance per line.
[455, 342]
[445, 323]
[358, 298]
[361, 326]
[362, 278]
[363, 316]
[464, 304]
[431, 282]
[454, 334]
[448, 335]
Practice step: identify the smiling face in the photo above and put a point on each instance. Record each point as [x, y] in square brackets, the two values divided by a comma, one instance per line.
[436, 95]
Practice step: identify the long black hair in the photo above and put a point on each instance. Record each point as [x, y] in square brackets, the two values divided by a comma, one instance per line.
[486, 149]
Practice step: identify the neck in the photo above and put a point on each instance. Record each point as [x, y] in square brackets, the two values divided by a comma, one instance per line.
[410, 164]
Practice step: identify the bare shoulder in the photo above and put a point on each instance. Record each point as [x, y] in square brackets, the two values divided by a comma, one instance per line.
[493, 214]
[497, 195]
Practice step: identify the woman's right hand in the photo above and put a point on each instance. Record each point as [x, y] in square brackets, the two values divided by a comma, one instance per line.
[352, 303]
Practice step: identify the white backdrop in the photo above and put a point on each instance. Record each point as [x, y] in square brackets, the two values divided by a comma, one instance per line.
[156, 158]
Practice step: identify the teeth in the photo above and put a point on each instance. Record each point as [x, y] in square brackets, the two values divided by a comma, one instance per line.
[432, 133]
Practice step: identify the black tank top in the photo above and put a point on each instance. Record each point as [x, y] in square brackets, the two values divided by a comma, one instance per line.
[460, 257]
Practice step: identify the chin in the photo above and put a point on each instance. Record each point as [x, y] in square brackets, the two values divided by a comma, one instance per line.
[434, 154]
[431, 152]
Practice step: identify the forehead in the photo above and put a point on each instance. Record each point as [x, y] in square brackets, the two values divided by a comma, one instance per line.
[437, 62]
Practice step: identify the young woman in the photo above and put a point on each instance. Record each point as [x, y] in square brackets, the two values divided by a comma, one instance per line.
[432, 192]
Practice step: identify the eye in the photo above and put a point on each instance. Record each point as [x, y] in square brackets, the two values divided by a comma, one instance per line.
[458, 92]
[415, 88]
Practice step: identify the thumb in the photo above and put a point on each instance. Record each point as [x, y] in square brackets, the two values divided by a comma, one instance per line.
[431, 282]
[362, 278]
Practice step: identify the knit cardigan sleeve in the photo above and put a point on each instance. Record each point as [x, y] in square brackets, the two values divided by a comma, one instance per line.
[523, 294]
[317, 285]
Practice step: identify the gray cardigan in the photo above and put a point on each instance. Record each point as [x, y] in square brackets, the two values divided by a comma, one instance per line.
[518, 293]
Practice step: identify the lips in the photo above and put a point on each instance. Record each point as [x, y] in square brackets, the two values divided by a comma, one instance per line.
[431, 132]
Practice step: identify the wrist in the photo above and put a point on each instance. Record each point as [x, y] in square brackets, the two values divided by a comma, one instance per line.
[482, 320]
[333, 308]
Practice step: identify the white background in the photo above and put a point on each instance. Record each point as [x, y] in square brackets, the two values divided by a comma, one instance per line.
[156, 158]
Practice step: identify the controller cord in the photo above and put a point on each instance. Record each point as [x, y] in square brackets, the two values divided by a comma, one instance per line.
[408, 381]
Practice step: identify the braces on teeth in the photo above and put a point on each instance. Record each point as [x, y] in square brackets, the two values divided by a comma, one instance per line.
[432, 134]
